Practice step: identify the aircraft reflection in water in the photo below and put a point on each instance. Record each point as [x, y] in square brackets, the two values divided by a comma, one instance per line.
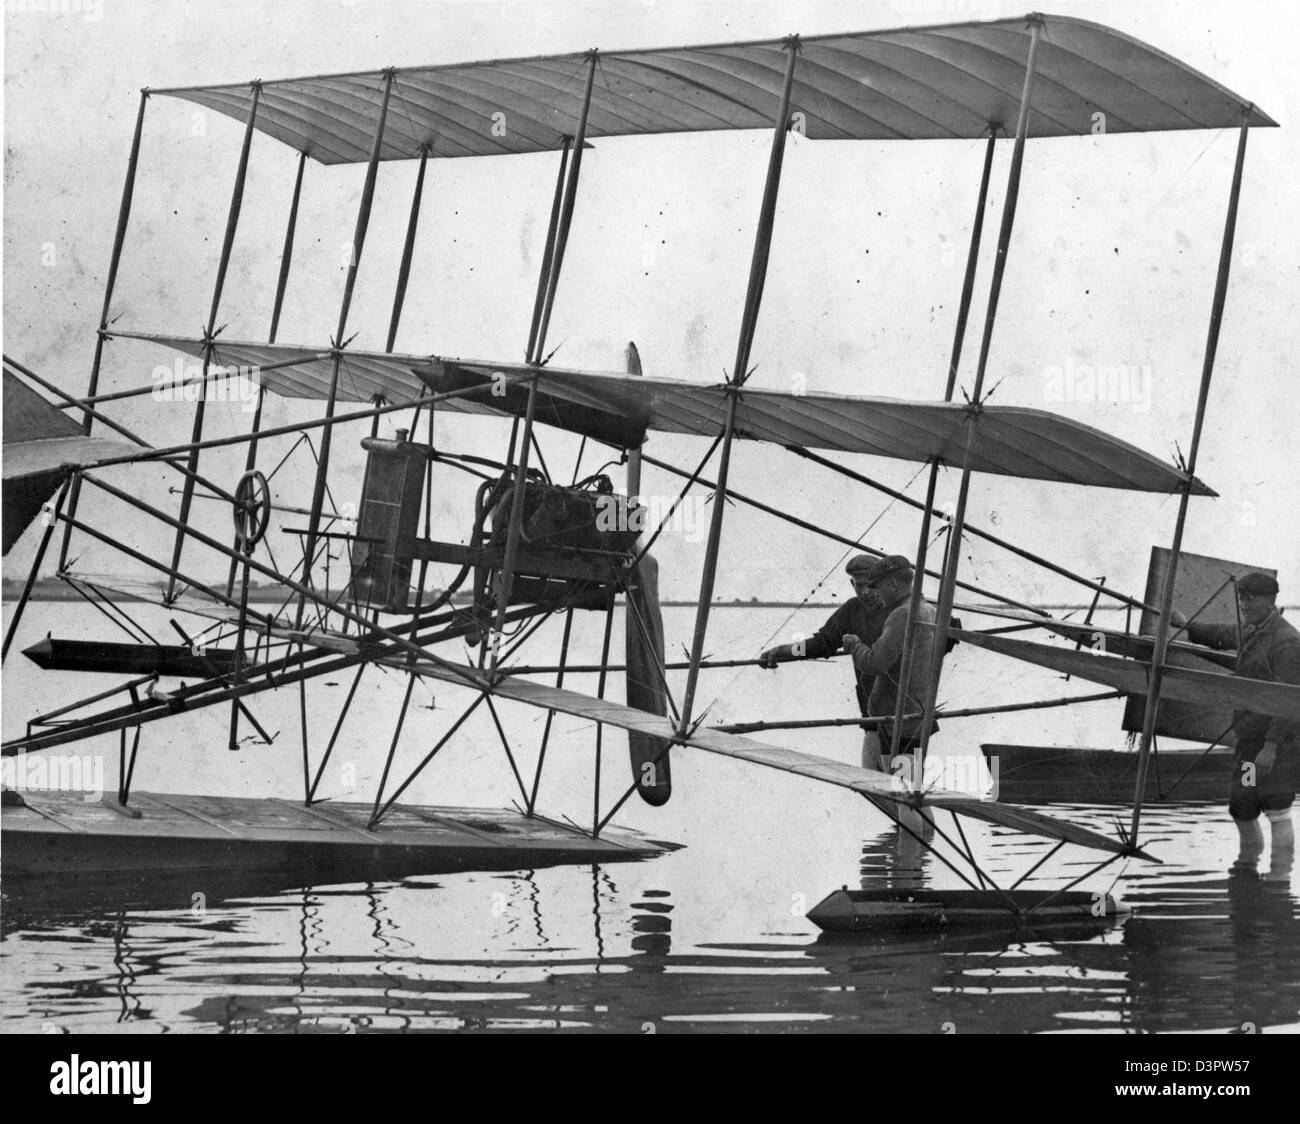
[508, 951]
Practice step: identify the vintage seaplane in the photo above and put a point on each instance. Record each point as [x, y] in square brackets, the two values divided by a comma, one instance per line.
[534, 546]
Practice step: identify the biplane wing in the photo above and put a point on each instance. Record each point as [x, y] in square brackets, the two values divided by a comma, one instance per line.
[41, 446]
[305, 372]
[868, 782]
[1186, 684]
[919, 83]
[1006, 440]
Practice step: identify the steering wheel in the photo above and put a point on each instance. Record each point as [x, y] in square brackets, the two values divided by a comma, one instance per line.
[252, 510]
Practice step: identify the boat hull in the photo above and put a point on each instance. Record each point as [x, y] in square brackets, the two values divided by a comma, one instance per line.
[876, 911]
[1031, 774]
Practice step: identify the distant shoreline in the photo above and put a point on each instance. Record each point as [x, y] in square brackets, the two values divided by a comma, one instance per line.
[51, 589]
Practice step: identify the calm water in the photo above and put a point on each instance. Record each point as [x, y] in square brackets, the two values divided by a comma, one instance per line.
[710, 937]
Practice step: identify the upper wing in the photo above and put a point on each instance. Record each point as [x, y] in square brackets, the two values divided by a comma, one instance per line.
[947, 81]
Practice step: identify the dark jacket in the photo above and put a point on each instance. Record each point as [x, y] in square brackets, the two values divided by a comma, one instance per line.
[882, 666]
[851, 617]
[1270, 651]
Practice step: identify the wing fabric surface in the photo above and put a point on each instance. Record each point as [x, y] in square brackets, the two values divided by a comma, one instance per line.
[941, 82]
[1007, 440]
[293, 371]
[42, 445]
[869, 782]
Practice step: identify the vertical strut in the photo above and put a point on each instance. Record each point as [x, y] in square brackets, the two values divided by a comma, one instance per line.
[235, 704]
[302, 719]
[505, 580]
[282, 282]
[286, 254]
[954, 364]
[349, 284]
[1207, 372]
[408, 249]
[125, 769]
[947, 586]
[972, 264]
[749, 321]
[548, 254]
[209, 339]
[334, 737]
[119, 239]
[600, 726]
[550, 714]
[566, 215]
[53, 517]
[913, 606]
[392, 748]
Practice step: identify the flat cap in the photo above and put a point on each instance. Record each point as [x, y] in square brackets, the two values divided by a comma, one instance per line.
[888, 566]
[1257, 584]
[860, 564]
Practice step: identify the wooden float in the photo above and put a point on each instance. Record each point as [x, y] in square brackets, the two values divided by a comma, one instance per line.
[109, 657]
[61, 834]
[1036, 774]
[871, 911]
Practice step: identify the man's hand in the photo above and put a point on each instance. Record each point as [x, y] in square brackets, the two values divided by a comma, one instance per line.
[770, 659]
[851, 643]
[1265, 759]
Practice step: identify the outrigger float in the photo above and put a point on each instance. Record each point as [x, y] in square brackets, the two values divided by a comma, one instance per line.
[534, 547]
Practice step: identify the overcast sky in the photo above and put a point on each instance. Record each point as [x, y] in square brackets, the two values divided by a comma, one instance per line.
[1112, 263]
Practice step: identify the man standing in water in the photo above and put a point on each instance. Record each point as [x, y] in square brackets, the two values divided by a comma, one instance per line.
[864, 616]
[1268, 749]
[881, 660]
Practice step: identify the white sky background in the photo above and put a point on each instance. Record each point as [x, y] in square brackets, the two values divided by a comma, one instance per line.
[1112, 262]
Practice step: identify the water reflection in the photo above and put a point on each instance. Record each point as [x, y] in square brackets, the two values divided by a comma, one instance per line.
[897, 859]
[653, 925]
[630, 949]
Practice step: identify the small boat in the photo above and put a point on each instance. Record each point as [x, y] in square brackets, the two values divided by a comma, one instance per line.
[1044, 774]
[863, 911]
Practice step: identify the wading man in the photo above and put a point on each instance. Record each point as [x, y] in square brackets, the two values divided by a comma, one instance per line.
[881, 660]
[1268, 749]
[863, 616]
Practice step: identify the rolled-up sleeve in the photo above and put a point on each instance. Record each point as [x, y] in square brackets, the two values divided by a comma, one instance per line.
[826, 640]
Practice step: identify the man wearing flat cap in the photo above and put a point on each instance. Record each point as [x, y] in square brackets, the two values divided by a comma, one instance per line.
[1268, 748]
[881, 660]
[863, 616]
